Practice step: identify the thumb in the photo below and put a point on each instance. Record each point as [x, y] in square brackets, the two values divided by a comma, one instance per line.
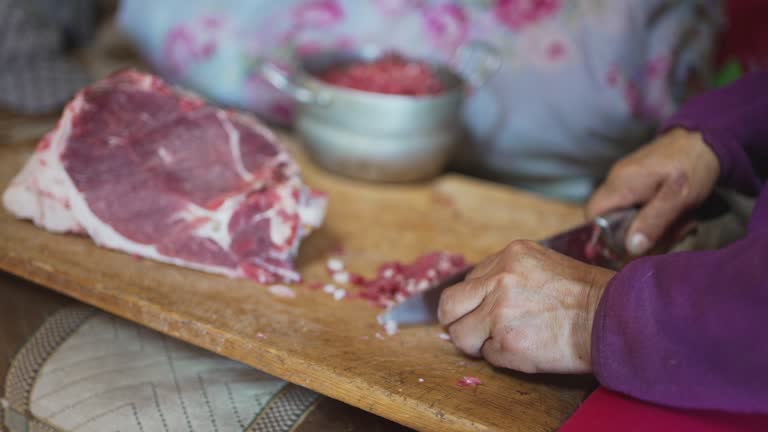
[656, 217]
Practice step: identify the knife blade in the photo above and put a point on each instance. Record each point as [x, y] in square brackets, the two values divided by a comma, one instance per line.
[598, 242]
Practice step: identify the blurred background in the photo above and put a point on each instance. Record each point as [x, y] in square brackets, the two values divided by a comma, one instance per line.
[581, 83]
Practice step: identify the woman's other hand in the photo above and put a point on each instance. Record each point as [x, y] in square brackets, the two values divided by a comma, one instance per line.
[670, 176]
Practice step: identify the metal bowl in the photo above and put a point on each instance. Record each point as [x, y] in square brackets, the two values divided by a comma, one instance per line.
[375, 136]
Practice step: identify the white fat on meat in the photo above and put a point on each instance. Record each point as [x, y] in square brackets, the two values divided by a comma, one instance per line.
[45, 193]
[234, 146]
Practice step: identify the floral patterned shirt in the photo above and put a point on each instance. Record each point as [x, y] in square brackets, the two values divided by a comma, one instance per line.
[583, 82]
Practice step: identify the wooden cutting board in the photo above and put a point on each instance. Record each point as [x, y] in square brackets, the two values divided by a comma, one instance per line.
[326, 345]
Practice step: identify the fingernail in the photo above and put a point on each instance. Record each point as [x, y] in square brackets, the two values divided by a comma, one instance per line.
[638, 244]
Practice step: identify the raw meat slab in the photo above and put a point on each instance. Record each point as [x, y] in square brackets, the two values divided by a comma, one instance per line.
[326, 345]
[146, 169]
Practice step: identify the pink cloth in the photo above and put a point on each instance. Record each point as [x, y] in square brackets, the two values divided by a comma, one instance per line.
[583, 82]
[607, 411]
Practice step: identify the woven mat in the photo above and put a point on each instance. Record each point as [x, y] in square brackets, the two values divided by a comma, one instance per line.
[86, 370]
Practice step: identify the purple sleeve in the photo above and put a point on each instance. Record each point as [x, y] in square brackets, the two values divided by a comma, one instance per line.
[689, 330]
[734, 123]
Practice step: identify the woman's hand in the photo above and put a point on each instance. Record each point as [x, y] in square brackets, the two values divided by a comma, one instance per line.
[668, 177]
[526, 308]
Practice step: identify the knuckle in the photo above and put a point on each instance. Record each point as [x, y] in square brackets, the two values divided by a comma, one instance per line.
[527, 343]
[513, 341]
[627, 194]
[447, 306]
[509, 341]
[477, 271]
[493, 353]
[503, 350]
[516, 347]
[678, 182]
[619, 170]
[513, 248]
[497, 316]
[518, 248]
[501, 281]
[506, 338]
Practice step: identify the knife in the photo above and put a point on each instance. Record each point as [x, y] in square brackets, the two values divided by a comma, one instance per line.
[599, 242]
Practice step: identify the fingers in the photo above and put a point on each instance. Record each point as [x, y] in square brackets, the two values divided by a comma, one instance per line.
[493, 354]
[459, 300]
[606, 198]
[464, 297]
[470, 332]
[499, 354]
[484, 267]
[658, 215]
[623, 189]
[663, 196]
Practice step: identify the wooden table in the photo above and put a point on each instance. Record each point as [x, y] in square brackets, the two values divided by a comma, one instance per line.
[312, 340]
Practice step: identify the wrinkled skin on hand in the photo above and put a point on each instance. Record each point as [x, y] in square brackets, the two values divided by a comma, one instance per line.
[667, 178]
[531, 309]
[526, 308]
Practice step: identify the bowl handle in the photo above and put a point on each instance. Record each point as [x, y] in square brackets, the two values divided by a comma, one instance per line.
[478, 61]
[286, 83]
